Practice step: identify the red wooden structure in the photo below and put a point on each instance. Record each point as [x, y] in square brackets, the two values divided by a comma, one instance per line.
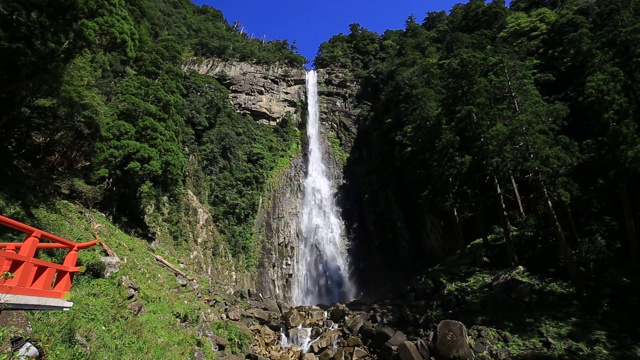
[30, 283]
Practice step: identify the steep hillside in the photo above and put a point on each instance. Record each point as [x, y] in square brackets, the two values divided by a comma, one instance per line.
[142, 309]
[98, 109]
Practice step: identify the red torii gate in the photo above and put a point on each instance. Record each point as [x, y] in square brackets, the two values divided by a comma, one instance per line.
[30, 283]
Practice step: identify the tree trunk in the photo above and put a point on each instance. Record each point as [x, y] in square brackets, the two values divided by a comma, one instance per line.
[628, 219]
[512, 91]
[518, 198]
[557, 229]
[574, 228]
[506, 226]
[458, 228]
[481, 229]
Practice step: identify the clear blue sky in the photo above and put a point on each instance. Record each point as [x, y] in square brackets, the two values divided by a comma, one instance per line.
[310, 23]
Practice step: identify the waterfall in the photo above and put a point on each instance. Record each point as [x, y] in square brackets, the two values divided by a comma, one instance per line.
[322, 267]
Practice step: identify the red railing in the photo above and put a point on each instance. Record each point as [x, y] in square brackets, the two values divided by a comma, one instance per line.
[22, 274]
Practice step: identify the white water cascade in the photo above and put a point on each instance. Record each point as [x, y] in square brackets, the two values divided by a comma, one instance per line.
[322, 268]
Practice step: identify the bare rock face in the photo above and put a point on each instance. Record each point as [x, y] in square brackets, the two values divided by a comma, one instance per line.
[278, 229]
[266, 92]
[339, 107]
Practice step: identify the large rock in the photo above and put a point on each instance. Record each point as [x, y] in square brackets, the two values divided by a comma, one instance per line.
[354, 323]
[408, 351]
[359, 353]
[293, 318]
[234, 314]
[137, 308]
[423, 348]
[383, 334]
[111, 265]
[314, 317]
[325, 340]
[260, 315]
[398, 338]
[272, 306]
[452, 341]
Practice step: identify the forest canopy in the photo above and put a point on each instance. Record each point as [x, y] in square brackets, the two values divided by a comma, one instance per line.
[491, 122]
[95, 106]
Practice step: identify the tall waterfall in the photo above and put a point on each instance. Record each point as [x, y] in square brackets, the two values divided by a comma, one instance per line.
[322, 268]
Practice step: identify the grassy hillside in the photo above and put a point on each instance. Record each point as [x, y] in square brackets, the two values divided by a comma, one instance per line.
[100, 324]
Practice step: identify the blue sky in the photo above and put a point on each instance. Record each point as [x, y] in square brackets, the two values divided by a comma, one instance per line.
[310, 23]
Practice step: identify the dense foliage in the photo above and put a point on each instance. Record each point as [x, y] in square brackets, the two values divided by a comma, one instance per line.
[94, 105]
[491, 122]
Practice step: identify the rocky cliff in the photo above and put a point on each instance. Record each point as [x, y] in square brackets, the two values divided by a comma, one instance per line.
[267, 93]
[339, 107]
[270, 94]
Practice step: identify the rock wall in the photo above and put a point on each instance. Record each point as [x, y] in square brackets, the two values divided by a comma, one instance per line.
[278, 230]
[267, 93]
[339, 106]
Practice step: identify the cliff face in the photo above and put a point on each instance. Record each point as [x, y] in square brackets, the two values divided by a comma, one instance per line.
[270, 94]
[339, 107]
[278, 222]
[267, 93]
[278, 231]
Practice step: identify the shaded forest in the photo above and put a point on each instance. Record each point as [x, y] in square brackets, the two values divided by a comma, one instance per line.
[516, 127]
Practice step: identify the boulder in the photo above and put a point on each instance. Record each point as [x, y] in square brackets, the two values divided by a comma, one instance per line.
[368, 331]
[268, 336]
[181, 280]
[244, 328]
[282, 306]
[327, 354]
[126, 282]
[272, 306]
[344, 353]
[259, 314]
[354, 323]
[506, 285]
[359, 353]
[234, 314]
[315, 316]
[338, 313]
[221, 341]
[111, 265]
[383, 334]
[354, 341]
[398, 338]
[325, 340]
[423, 348]
[452, 342]
[137, 308]
[479, 347]
[293, 318]
[408, 351]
